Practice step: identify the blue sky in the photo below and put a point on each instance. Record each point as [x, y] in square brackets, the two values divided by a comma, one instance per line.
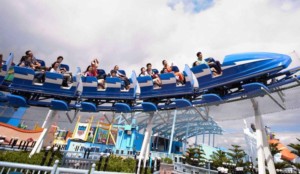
[133, 33]
[192, 6]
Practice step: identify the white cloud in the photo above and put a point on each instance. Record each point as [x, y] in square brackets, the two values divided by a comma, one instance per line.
[134, 33]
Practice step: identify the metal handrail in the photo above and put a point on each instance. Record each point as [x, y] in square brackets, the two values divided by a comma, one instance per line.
[179, 167]
[27, 167]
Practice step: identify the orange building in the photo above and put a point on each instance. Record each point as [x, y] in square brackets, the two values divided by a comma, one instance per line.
[286, 154]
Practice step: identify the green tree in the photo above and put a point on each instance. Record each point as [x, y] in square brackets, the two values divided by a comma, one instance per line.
[194, 156]
[273, 148]
[282, 165]
[167, 160]
[218, 158]
[296, 148]
[296, 151]
[237, 155]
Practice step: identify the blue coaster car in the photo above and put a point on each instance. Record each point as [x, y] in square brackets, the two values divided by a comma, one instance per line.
[5, 68]
[169, 87]
[239, 69]
[113, 89]
[3, 73]
[24, 83]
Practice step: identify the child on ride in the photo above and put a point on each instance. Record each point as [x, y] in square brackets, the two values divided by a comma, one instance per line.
[169, 69]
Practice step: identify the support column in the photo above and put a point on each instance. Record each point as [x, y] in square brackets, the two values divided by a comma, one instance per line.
[268, 155]
[132, 138]
[172, 131]
[186, 135]
[147, 149]
[36, 146]
[203, 139]
[213, 140]
[263, 150]
[146, 137]
[209, 138]
[48, 121]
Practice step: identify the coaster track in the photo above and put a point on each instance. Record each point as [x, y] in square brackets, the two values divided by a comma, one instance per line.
[244, 75]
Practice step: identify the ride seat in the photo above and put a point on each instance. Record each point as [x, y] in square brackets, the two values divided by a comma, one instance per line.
[175, 69]
[155, 71]
[23, 76]
[43, 64]
[168, 80]
[3, 72]
[89, 83]
[122, 72]
[101, 74]
[53, 80]
[145, 83]
[113, 84]
[65, 66]
[187, 79]
[202, 73]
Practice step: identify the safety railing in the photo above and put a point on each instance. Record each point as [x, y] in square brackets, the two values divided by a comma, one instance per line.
[185, 168]
[69, 170]
[101, 172]
[17, 168]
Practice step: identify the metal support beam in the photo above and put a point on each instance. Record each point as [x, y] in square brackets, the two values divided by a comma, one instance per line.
[172, 132]
[280, 105]
[186, 135]
[124, 117]
[281, 95]
[107, 118]
[120, 120]
[145, 141]
[196, 139]
[75, 114]
[161, 117]
[199, 112]
[39, 141]
[46, 125]
[263, 151]
[147, 154]
[50, 114]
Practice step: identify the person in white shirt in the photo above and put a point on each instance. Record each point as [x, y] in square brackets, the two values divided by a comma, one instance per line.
[66, 77]
[143, 72]
[214, 64]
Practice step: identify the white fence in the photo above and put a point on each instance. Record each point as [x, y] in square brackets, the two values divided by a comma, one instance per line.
[17, 168]
[8, 167]
[185, 168]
